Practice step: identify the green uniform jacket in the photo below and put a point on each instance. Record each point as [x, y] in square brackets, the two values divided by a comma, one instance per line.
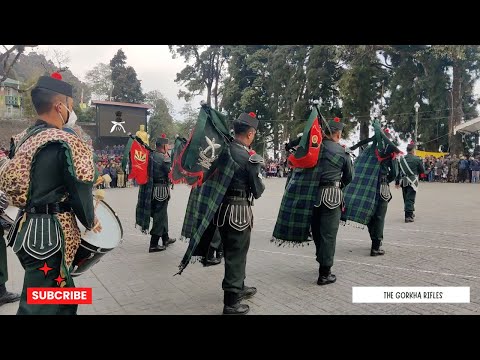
[52, 182]
[415, 164]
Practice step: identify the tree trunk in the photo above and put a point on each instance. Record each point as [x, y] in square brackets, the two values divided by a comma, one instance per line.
[215, 93]
[455, 141]
[364, 124]
[209, 95]
[275, 139]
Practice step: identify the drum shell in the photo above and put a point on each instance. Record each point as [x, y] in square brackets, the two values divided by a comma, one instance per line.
[87, 255]
[89, 252]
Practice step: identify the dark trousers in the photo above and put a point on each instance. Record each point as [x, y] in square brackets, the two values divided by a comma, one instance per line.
[377, 223]
[217, 241]
[3, 260]
[235, 249]
[160, 219]
[37, 278]
[325, 223]
[409, 199]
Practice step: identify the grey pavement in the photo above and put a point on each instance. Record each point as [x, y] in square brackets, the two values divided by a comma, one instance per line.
[442, 248]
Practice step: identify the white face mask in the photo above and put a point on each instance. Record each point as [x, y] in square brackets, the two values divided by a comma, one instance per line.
[72, 118]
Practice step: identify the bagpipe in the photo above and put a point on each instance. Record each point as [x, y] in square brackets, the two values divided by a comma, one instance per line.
[305, 149]
[382, 140]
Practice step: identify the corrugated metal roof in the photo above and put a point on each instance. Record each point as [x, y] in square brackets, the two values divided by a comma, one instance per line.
[114, 103]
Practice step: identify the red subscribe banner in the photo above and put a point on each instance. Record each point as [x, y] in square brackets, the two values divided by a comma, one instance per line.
[61, 296]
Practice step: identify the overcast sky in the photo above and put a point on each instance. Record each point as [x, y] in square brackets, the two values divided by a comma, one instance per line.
[154, 65]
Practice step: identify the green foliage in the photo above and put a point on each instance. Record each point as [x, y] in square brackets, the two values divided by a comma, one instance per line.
[160, 121]
[126, 86]
[203, 72]
[100, 80]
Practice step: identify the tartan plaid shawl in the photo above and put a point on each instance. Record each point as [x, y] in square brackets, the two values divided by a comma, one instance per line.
[144, 202]
[189, 220]
[295, 214]
[203, 203]
[361, 195]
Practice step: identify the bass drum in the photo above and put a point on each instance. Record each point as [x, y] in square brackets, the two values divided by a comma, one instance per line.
[95, 245]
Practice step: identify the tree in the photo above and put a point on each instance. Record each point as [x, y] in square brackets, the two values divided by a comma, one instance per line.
[8, 58]
[126, 86]
[416, 76]
[205, 73]
[463, 62]
[190, 116]
[61, 59]
[160, 121]
[27, 70]
[87, 115]
[361, 83]
[99, 80]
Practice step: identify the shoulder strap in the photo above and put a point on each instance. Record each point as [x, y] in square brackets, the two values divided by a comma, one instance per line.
[402, 160]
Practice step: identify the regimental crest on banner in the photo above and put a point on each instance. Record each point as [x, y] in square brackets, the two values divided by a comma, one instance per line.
[140, 156]
[196, 159]
[207, 155]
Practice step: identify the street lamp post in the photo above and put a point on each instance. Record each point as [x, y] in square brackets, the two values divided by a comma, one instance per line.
[416, 106]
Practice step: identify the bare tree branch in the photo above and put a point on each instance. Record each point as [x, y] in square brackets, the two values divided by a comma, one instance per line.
[6, 55]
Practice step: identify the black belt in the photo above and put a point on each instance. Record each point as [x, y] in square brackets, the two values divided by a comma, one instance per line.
[53, 208]
[237, 193]
[160, 182]
[330, 183]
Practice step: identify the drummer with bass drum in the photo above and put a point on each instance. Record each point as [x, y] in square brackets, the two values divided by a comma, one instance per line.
[45, 235]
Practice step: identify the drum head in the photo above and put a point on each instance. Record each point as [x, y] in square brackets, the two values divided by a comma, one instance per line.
[112, 232]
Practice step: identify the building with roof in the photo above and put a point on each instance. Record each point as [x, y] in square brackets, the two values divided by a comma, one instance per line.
[115, 120]
[11, 100]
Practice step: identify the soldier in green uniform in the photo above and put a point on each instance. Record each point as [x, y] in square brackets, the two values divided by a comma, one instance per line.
[388, 172]
[46, 236]
[336, 172]
[411, 167]
[234, 218]
[161, 164]
[5, 296]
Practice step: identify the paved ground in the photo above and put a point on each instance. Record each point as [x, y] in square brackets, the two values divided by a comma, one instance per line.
[442, 248]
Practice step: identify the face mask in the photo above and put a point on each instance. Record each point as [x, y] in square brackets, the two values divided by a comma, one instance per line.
[71, 119]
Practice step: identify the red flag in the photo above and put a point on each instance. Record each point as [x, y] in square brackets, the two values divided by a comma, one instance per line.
[139, 161]
[307, 157]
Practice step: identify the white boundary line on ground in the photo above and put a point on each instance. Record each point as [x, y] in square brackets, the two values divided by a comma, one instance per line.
[374, 265]
[403, 229]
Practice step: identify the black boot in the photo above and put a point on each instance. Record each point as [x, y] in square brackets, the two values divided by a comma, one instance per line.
[6, 296]
[232, 305]
[375, 250]
[246, 293]
[154, 247]
[167, 240]
[409, 216]
[325, 276]
[210, 258]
